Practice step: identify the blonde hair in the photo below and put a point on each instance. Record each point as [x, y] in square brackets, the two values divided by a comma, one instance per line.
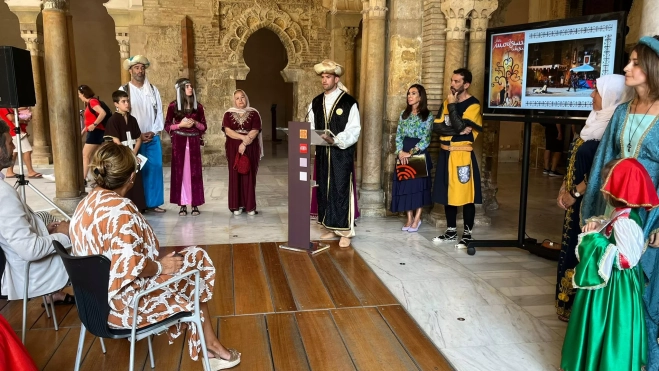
[113, 165]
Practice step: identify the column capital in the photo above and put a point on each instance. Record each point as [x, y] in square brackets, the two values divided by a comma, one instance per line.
[123, 39]
[33, 40]
[377, 9]
[456, 13]
[27, 11]
[349, 34]
[60, 5]
[480, 18]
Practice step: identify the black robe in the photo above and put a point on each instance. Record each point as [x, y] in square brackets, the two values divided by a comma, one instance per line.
[334, 166]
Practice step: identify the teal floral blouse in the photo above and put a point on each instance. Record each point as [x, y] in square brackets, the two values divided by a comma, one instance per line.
[413, 127]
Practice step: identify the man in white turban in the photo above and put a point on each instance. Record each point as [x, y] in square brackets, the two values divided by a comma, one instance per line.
[146, 107]
[336, 112]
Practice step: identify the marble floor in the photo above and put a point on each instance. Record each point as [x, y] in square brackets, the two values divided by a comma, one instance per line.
[492, 311]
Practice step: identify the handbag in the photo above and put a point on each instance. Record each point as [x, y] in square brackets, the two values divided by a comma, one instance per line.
[241, 163]
[414, 169]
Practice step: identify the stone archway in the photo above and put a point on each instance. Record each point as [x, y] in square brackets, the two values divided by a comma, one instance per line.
[243, 23]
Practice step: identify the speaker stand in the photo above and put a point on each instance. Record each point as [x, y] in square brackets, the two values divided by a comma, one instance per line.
[21, 183]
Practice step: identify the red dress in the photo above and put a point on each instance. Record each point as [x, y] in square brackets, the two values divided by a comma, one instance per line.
[242, 188]
[13, 355]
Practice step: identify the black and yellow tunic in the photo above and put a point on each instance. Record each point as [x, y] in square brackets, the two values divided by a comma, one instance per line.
[457, 180]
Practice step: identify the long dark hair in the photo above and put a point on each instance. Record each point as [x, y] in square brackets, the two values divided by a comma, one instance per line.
[185, 101]
[423, 111]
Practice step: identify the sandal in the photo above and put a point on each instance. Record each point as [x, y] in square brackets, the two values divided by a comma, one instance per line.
[219, 363]
[195, 211]
[184, 211]
[158, 210]
[68, 300]
[35, 176]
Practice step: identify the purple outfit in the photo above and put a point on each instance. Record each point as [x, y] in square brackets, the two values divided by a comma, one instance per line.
[187, 187]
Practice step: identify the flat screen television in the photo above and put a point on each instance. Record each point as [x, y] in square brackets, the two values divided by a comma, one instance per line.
[548, 69]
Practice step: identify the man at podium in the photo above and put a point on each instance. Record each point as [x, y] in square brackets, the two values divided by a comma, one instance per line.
[336, 112]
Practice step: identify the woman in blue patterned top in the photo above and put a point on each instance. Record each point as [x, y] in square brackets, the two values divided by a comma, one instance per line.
[413, 138]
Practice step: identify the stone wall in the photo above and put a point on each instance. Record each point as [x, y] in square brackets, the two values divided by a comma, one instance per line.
[220, 31]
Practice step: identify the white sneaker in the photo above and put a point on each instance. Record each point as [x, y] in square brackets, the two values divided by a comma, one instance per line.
[251, 213]
[50, 177]
[237, 212]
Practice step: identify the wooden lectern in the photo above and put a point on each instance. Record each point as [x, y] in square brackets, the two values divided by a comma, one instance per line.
[299, 188]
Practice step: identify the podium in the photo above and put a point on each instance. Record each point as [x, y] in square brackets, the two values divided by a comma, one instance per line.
[299, 187]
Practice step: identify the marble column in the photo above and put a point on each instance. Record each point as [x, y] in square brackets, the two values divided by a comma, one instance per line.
[362, 88]
[41, 151]
[349, 34]
[27, 12]
[371, 197]
[404, 50]
[64, 122]
[124, 51]
[480, 17]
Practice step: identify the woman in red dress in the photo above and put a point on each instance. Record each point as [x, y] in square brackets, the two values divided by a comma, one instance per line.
[242, 126]
[186, 123]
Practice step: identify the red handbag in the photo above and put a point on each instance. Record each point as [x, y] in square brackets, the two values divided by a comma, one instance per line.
[241, 164]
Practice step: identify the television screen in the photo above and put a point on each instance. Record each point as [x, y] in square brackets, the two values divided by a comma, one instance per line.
[551, 66]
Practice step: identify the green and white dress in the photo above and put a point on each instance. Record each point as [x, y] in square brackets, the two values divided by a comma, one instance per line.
[607, 326]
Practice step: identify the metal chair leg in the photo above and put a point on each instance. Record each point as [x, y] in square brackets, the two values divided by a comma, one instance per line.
[52, 307]
[153, 364]
[45, 305]
[132, 354]
[24, 324]
[204, 351]
[81, 344]
[102, 345]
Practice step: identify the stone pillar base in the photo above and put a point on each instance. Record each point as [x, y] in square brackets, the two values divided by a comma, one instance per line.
[438, 219]
[68, 205]
[42, 156]
[371, 203]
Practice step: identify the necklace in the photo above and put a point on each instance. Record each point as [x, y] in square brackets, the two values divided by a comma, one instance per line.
[632, 135]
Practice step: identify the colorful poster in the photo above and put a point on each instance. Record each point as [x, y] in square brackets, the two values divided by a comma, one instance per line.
[507, 70]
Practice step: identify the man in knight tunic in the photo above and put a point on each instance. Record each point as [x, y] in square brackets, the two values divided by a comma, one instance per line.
[336, 112]
[457, 179]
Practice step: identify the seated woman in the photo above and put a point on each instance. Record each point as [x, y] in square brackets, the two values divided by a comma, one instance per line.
[136, 263]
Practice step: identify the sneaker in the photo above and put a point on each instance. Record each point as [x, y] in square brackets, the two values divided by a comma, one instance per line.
[451, 234]
[554, 173]
[464, 241]
[252, 213]
[237, 212]
[49, 177]
[546, 171]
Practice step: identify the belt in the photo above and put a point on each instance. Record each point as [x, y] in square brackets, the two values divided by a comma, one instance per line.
[185, 134]
[457, 148]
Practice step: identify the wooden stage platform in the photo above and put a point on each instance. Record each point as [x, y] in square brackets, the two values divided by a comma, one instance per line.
[282, 310]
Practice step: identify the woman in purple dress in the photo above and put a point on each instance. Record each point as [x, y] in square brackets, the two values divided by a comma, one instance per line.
[242, 126]
[186, 123]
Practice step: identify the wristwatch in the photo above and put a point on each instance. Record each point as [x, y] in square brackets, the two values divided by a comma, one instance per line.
[575, 194]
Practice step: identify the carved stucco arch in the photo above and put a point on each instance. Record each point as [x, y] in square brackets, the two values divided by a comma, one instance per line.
[252, 20]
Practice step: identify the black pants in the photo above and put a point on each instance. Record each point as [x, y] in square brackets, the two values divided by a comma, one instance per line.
[468, 213]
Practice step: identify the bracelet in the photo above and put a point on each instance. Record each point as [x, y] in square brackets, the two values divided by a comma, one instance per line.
[159, 268]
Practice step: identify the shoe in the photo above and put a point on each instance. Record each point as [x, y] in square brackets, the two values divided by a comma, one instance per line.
[49, 177]
[464, 241]
[546, 171]
[451, 234]
[554, 173]
[252, 213]
[412, 230]
[237, 212]
[218, 363]
[406, 228]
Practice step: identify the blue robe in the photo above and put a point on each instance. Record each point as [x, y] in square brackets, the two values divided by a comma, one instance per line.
[610, 148]
[152, 177]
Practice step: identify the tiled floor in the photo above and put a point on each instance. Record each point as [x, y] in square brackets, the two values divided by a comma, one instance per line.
[492, 311]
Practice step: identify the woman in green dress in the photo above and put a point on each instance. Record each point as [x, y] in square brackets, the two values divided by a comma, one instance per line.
[607, 329]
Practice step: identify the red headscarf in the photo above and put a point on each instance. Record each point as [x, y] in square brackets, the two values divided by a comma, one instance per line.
[629, 182]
